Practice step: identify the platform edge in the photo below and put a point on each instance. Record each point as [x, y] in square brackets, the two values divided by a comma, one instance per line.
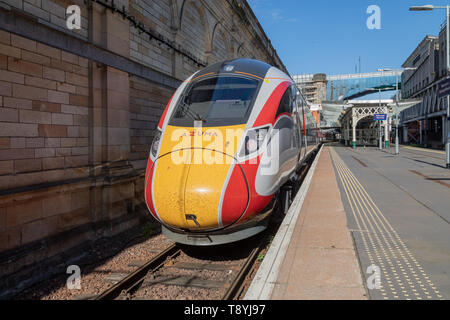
[262, 286]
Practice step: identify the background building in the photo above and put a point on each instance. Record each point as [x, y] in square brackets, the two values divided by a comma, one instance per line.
[312, 86]
[425, 122]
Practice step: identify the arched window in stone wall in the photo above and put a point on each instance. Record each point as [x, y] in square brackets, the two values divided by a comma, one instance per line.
[193, 31]
[243, 52]
[174, 14]
[220, 45]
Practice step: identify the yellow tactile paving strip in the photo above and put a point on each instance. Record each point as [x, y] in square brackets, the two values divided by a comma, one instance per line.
[402, 277]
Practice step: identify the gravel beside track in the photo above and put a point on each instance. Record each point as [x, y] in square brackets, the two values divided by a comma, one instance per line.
[106, 257]
[217, 268]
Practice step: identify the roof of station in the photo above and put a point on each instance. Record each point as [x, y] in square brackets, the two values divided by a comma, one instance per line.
[333, 111]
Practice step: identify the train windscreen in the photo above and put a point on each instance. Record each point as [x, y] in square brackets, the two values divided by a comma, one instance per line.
[216, 101]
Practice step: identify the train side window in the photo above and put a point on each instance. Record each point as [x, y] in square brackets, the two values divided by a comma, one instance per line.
[285, 103]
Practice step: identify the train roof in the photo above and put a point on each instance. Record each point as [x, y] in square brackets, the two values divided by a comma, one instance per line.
[254, 67]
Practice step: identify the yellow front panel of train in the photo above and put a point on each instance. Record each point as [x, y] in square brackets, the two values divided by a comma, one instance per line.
[168, 183]
[191, 172]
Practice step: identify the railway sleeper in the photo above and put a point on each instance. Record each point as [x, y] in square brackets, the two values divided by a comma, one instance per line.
[184, 281]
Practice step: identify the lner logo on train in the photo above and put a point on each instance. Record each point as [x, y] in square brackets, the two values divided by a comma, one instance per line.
[230, 137]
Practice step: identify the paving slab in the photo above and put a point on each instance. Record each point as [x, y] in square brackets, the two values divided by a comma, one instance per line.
[398, 210]
[321, 262]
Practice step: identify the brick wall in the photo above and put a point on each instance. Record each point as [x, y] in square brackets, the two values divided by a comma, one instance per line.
[78, 112]
[155, 14]
[43, 114]
[51, 12]
[44, 138]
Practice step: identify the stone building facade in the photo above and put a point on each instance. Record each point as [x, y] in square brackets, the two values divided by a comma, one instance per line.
[313, 87]
[425, 123]
[78, 109]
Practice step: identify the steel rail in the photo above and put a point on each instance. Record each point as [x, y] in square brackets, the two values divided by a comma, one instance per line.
[236, 285]
[135, 278]
[139, 274]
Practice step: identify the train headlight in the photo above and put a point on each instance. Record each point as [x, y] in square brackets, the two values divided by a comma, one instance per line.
[251, 145]
[155, 143]
[254, 140]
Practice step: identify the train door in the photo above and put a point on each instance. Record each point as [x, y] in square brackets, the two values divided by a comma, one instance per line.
[302, 128]
[282, 155]
[295, 116]
[284, 128]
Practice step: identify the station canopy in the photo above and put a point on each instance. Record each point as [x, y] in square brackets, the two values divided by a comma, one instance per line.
[404, 104]
[333, 110]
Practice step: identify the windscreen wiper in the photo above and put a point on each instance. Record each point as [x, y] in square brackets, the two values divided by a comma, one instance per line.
[194, 116]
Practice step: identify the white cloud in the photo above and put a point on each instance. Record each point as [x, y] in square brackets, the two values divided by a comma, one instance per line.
[265, 10]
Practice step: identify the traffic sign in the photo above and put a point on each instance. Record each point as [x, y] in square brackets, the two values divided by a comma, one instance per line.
[380, 117]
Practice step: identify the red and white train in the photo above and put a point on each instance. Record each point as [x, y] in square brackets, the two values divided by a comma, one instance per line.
[230, 137]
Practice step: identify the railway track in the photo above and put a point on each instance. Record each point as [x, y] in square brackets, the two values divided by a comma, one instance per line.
[223, 279]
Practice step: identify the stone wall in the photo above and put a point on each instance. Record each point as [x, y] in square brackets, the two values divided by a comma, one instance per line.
[147, 103]
[78, 110]
[210, 31]
[51, 12]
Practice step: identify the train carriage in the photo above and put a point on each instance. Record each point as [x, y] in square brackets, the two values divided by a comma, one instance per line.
[230, 137]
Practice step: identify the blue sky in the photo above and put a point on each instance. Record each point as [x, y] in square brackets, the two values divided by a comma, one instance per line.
[328, 36]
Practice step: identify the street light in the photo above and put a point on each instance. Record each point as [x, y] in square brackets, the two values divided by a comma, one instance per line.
[430, 7]
[379, 105]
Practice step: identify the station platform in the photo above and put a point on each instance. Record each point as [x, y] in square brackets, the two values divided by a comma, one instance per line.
[366, 224]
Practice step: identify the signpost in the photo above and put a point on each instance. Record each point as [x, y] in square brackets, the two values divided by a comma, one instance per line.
[380, 117]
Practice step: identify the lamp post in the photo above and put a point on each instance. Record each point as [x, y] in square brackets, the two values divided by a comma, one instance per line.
[430, 7]
[396, 115]
[380, 134]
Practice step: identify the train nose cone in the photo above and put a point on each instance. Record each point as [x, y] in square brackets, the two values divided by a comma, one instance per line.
[197, 196]
[217, 194]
